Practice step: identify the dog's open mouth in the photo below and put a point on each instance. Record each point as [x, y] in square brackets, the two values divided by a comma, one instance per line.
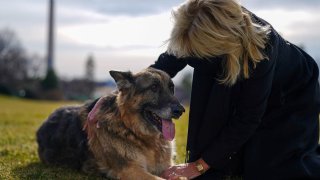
[166, 126]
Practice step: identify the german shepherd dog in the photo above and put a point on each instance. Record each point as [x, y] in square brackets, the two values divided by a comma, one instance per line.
[125, 135]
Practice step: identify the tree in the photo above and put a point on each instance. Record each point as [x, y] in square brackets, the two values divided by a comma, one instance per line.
[36, 67]
[50, 82]
[90, 69]
[89, 83]
[13, 62]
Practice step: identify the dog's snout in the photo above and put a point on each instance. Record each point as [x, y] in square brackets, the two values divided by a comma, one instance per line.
[177, 110]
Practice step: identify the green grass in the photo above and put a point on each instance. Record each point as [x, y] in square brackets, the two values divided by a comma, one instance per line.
[181, 136]
[20, 119]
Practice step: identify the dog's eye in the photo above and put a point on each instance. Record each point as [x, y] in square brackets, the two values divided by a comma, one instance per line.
[154, 88]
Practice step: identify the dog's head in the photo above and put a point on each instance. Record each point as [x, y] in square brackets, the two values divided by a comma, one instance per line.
[149, 94]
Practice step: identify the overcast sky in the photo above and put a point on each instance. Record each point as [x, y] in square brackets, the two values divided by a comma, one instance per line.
[130, 34]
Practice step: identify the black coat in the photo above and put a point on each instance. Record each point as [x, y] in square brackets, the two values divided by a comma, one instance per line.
[264, 127]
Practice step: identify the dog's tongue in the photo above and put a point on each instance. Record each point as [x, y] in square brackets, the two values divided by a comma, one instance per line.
[168, 129]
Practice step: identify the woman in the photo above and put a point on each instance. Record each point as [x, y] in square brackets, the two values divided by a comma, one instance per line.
[255, 96]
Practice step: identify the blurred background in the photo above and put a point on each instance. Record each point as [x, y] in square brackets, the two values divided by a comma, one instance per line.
[89, 38]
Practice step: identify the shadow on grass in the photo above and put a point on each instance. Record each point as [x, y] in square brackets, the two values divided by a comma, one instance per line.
[38, 170]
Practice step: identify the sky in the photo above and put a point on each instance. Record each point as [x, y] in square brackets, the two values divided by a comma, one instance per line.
[130, 34]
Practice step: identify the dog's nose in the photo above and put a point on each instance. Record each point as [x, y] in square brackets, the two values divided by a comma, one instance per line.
[177, 110]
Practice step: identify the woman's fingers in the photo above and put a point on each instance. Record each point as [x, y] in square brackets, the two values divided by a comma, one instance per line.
[178, 177]
[180, 172]
[182, 178]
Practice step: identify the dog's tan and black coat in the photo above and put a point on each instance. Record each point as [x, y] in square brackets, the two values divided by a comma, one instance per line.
[122, 135]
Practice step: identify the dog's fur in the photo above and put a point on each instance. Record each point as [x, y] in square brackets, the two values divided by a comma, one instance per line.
[121, 139]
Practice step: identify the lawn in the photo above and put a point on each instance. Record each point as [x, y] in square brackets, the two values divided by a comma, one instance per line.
[20, 119]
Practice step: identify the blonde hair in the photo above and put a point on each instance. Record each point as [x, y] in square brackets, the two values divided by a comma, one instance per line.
[208, 28]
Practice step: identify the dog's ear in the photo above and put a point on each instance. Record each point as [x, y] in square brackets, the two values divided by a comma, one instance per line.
[124, 80]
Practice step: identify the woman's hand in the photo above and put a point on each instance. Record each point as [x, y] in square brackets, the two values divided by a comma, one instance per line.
[181, 171]
[184, 171]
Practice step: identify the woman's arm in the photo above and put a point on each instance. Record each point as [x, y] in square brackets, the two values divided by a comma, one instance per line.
[170, 64]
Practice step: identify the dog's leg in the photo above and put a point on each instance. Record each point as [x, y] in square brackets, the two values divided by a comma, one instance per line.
[136, 172]
[90, 166]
